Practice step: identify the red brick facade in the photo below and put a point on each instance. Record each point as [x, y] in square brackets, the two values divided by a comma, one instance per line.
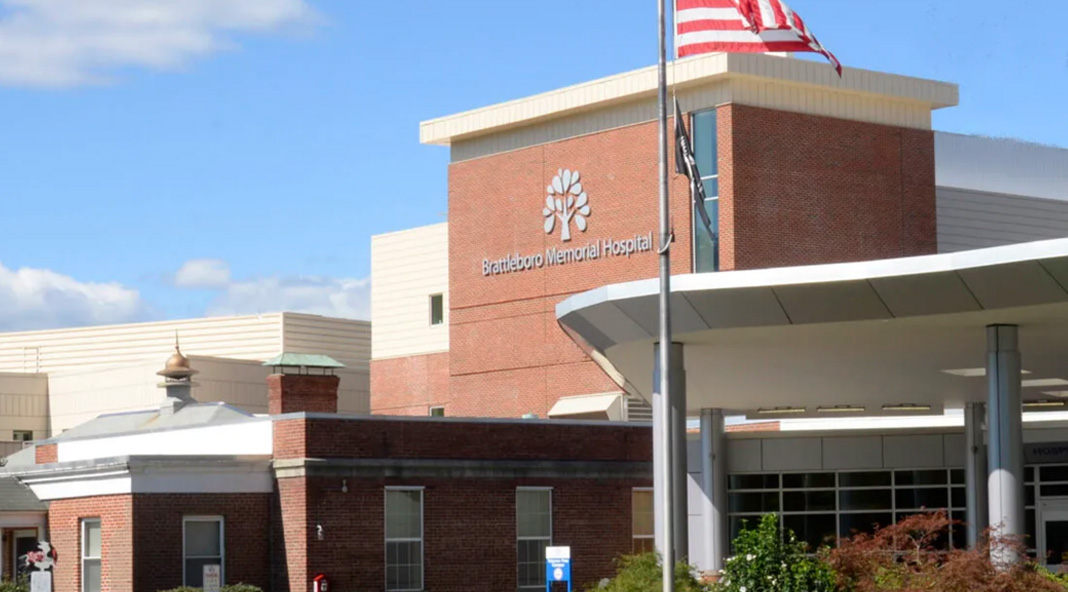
[795, 189]
[800, 190]
[410, 385]
[141, 536]
[293, 393]
[45, 453]
[507, 355]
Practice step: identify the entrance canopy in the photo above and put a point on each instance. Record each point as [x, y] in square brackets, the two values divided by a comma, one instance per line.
[886, 336]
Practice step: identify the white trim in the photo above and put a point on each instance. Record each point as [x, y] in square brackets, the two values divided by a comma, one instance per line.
[518, 538]
[421, 539]
[83, 522]
[222, 545]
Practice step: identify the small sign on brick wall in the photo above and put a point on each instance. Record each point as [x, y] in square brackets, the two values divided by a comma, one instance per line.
[212, 578]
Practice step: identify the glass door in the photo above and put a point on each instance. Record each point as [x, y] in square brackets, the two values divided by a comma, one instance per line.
[1053, 534]
[25, 541]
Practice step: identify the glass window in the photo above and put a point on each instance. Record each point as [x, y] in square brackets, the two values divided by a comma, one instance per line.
[807, 480]
[808, 501]
[22, 435]
[865, 499]
[404, 539]
[1048, 474]
[91, 555]
[534, 525]
[1054, 490]
[929, 498]
[866, 522]
[705, 247]
[959, 498]
[920, 477]
[753, 481]
[864, 479]
[816, 530]
[753, 502]
[641, 503]
[203, 545]
[437, 309]
[437, 412]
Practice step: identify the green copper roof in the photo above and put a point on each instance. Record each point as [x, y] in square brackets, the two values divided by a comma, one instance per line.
[304, 360]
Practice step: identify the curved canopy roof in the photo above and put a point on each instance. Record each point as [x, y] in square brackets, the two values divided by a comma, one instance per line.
[868, 334]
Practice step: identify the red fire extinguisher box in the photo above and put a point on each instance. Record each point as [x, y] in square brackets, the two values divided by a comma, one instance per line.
[320, 583]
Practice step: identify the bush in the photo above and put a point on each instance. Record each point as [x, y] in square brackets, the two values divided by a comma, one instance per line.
[912, 555]
[767, 559]
[642, 573]
[19, 585]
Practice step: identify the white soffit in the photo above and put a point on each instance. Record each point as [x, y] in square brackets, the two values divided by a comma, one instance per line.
[686, 72]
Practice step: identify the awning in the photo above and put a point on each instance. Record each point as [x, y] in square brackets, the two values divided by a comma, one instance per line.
[603, 406]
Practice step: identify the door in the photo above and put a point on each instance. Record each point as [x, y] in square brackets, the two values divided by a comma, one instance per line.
[25, 541]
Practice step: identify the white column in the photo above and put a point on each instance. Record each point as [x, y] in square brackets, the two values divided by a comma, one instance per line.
[714, 488]
[1005, 437]
[676, 457]
[975, 474]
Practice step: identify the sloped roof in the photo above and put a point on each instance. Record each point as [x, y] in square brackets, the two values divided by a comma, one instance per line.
[193, 415]
[16, 497]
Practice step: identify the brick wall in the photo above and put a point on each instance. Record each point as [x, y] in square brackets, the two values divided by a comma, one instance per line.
[292, 393]
[508, 356]
[410, 385]
[142, 538]
[469, 530]
[158, 525]
[801, 189]
[45, 454]
[445, 439]
[116, 535]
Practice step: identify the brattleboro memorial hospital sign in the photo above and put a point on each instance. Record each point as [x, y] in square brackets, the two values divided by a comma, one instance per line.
[566, 202]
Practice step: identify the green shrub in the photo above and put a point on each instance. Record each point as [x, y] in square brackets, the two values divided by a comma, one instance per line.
[767, 559]
[19, 585]
[642, 573]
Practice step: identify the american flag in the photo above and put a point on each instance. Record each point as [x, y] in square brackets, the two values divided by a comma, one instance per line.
[756, 26]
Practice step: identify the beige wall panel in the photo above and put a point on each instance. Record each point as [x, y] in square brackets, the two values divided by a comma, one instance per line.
[23, 405]
[407, 267]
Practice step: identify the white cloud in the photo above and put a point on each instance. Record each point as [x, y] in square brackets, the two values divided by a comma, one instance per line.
[203, 273]
[43, 299]
[334, 297]
[72, 42]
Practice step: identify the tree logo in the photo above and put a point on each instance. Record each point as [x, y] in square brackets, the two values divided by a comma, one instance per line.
[566, 201]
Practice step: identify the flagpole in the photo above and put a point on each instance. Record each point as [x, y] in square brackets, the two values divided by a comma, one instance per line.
[667, 544]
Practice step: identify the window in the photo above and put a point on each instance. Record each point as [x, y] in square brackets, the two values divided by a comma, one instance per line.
[534, 532]
[437, 309]
[821, 506]
[642, 530]
[23, 435]
[203, 545]
[404, 538]
[437, 411]
[91, 555]
[705, 248]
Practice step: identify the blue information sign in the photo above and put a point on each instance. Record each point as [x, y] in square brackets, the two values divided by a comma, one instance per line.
[557, 567]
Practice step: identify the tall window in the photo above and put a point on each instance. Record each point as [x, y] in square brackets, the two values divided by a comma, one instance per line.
[404, 538]
[534, 531]
[91, 555]
[437, 309]
[641, 504]
[203, 545]
[706, 249]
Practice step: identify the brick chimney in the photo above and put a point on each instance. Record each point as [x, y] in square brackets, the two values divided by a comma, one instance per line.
[302, 383]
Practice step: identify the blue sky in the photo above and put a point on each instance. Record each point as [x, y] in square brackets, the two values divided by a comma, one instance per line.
[260, 143]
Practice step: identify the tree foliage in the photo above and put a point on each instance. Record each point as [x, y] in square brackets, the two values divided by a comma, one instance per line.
[912, 556]
[768, 559]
